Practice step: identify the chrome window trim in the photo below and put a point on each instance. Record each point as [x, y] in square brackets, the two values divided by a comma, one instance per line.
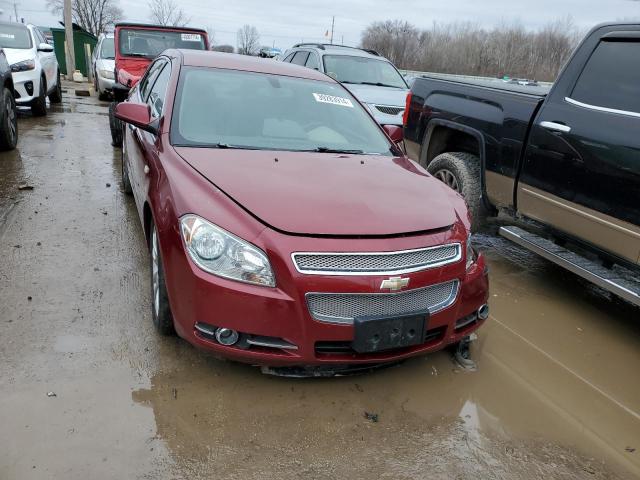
[419, 268]
[438, 307]
[601, 109]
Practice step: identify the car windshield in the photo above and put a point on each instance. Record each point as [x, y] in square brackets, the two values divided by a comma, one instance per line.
[150, 43]
[363, 70]
[107, 50]
[234, 109]
[14, 36]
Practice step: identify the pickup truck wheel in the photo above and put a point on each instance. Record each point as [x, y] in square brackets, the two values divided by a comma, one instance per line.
[461, 172]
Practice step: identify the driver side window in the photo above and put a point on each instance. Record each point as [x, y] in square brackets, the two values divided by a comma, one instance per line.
[158, 91]
[147, 81]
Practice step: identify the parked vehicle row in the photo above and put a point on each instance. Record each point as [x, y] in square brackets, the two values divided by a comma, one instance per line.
[566, 159]
[103, 65]
[285, 226]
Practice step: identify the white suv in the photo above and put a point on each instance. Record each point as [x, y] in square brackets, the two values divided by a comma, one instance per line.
[33, 66]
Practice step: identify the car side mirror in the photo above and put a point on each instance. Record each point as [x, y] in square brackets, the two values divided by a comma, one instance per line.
[395, 133]
[45, 47]
[138, 115]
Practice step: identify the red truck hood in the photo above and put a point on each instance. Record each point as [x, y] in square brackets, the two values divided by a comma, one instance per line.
[328, 194]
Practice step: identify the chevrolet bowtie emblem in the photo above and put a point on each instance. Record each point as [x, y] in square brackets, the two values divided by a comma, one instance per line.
[394, 283]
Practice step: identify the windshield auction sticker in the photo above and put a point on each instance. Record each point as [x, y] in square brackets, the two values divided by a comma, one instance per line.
[190, 37]
[323, 98]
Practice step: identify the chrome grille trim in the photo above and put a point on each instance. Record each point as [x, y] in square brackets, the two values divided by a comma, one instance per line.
[389, 110]
[376, 263]
[342, 308]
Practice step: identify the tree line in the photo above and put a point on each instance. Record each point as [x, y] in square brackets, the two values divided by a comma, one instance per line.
[468, 49]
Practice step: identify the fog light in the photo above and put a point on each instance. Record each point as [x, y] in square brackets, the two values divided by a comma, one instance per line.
[28, 86]
[226, 336]
[483, 312]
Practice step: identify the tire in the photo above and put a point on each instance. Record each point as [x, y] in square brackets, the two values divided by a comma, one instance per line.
[160, 309]
[461, 171]
[103, 96]
[8, 120]
[115, 125]
[39, 105]
[56, 95]
[126, 182]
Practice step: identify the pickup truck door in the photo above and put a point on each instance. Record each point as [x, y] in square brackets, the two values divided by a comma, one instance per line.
[581, 170]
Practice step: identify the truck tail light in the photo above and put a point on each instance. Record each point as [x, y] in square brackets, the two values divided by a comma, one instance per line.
[405, 115]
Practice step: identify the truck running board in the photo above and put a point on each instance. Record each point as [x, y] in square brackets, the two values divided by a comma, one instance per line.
[587, 269]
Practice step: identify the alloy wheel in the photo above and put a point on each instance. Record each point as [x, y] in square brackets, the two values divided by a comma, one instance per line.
[155, 269]
[448, 178]
[11, 118]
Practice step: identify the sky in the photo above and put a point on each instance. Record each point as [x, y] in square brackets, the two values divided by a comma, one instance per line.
[285, 22]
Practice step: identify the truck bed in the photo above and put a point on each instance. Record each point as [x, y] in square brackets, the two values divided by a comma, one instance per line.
[540, 91]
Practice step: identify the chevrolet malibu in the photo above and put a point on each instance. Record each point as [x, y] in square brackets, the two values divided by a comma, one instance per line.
[286, 228]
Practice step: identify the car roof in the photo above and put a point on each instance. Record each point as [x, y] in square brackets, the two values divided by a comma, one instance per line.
[158, 27]
[232, 61]
[331, 49]
[15, 24]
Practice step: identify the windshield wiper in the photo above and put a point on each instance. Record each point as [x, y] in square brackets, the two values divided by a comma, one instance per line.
[336, 150]
[379, 84]
[138, 55]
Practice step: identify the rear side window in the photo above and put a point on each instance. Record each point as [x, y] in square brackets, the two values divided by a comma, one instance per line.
[313, 62]
[300, 58]
[611, 78]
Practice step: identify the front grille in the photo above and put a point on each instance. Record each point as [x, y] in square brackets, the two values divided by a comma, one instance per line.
[389, 110]
[377, 263]
[344, 307]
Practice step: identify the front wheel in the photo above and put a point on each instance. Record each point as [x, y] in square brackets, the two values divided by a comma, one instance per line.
[56, 95]
[126, 181]
[39, 105]
[115, 125]
[461, 172]
[160, 309]
[8, 121]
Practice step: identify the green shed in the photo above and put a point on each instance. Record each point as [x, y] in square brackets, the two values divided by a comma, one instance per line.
[80, 38]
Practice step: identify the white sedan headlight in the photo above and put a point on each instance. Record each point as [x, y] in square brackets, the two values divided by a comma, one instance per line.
[221, 253]
[108, 74]
[471, 253]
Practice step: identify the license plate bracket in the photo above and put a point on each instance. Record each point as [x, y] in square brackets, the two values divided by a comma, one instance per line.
[377, 334]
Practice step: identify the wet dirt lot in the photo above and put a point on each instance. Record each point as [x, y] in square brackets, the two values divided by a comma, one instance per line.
[556, 393]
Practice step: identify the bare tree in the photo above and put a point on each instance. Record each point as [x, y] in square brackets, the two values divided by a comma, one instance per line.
[167, 13]
[211, 34]
[92, 15]
[468, 49]
[248, 40]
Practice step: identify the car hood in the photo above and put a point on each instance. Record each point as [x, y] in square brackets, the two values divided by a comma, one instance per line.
[15, 55]
[328, 194]
[378, 95]
[105, 64]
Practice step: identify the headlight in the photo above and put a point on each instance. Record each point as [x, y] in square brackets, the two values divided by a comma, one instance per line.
[219, 252]
[107, 74]
[471, 253]
[23, 66]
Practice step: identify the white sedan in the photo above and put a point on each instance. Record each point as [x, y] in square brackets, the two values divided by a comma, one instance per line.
[33, 66]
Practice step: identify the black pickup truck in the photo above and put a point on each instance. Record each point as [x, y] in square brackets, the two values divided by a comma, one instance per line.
[565, 159]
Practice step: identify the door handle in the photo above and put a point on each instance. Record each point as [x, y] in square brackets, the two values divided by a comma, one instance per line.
[556, 127]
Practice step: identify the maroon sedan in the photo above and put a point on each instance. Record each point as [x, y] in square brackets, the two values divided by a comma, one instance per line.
[285, 226]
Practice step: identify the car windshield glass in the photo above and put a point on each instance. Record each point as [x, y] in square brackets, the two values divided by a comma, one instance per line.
[362, 70]
[14, 36]
[234, 109]
[150, 43]
[107, 50]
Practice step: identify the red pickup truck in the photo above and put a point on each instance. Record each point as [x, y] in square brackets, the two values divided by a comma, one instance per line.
[136, 45]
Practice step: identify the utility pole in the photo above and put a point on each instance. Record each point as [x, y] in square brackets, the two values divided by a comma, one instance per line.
[68, 35]
[333, 20]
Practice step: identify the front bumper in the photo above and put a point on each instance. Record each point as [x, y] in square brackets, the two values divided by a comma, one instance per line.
[105, 84]
[26, 86]
[281, 313]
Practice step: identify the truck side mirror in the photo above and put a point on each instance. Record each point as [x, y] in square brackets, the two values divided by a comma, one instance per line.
[394, 132]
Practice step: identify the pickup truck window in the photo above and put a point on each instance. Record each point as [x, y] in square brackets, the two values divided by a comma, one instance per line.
[611, 78]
